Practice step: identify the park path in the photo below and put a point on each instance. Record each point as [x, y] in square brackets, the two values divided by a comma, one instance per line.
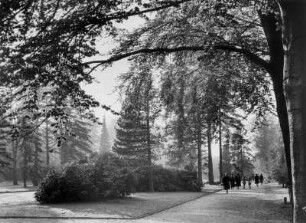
[262, 204]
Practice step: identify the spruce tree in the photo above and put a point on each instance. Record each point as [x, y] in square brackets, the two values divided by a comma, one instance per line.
[130, 139]
[75, 134]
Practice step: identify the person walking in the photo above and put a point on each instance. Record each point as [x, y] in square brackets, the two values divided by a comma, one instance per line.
[232, 181]
[250, 182]
[256, 179]
[226, 182]
[261, 178]
[244, 181]
[238, 180]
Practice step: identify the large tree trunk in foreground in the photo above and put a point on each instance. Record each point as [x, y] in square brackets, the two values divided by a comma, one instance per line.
[275, 70]
[294, 40]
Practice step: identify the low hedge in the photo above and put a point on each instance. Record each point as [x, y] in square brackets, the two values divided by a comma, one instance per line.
[166, 180]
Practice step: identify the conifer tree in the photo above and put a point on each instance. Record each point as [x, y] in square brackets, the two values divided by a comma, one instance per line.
[74, 134]
[135, 138]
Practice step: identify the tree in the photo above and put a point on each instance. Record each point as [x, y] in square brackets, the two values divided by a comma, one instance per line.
[135, 137]
[73, 137]
[294, 42]
[241, 157]
[104, 140]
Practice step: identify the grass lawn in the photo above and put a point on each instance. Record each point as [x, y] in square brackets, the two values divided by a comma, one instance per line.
[134, 206]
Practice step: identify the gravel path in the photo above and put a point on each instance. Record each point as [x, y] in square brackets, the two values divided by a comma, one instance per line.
[262, 204]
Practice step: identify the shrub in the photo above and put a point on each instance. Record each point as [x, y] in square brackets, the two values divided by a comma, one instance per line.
[106, 177]
[165, 179]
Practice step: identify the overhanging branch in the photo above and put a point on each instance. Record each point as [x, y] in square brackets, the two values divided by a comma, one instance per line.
[251, 56]
[146, 51]
[248, 54]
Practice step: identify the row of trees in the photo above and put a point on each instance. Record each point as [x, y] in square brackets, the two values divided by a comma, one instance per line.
[182, 111]
[31, 147]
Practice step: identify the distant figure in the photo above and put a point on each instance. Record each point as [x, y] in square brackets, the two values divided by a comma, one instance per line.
[256, 179]
[261, 178]
[250, 182]
[238, 180]
[232, 181]
[226, 182]
[244, 181]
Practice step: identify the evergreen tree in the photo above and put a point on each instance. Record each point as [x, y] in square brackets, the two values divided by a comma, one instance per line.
[241, 157]
[135, 138]
[105, 145]
[74, 137]
[131, 136]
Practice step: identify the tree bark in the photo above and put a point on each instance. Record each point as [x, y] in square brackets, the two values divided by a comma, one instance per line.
[181, 122]
[150, 174]
[275, 70]
[36, 165]
[220, 149]
[14, 147]
[47, 144]
[25, 163]
[294, 43]
[210, 164]
[199, 148]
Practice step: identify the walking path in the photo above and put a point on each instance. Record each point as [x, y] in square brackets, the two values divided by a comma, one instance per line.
[262, 204]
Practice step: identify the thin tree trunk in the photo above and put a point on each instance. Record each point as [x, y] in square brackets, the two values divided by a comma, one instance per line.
[220, 149]
[294, 40]
[210, 164]
[150, 174]
[47, 144]
[199, 148]
[25, 163]
[14, 146]
[181, 122]
[36, 165]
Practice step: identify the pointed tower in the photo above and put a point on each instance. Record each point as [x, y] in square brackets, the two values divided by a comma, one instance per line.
[104, 139]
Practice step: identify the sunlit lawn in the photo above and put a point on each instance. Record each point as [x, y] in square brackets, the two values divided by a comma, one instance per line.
[136, 205]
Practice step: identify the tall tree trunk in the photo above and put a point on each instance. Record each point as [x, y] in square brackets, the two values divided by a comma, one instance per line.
[220, 149]
[14, 147]
[150, 165]
[210, 164]
[181, 121]
[25, 163]
[35, 173]
[294, 42]
[47, 144]
[199, 148]
[275, 69]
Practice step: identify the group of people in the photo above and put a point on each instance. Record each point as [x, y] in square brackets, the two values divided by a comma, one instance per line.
[234, 180]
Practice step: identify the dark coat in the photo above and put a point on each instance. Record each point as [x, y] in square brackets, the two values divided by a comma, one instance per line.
[226, 182]
[256, 179]
[238, 180]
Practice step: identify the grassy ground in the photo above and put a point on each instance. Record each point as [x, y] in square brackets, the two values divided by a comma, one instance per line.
[136, 206]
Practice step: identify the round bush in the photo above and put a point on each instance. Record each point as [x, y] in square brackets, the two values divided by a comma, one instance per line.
[106, 177]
